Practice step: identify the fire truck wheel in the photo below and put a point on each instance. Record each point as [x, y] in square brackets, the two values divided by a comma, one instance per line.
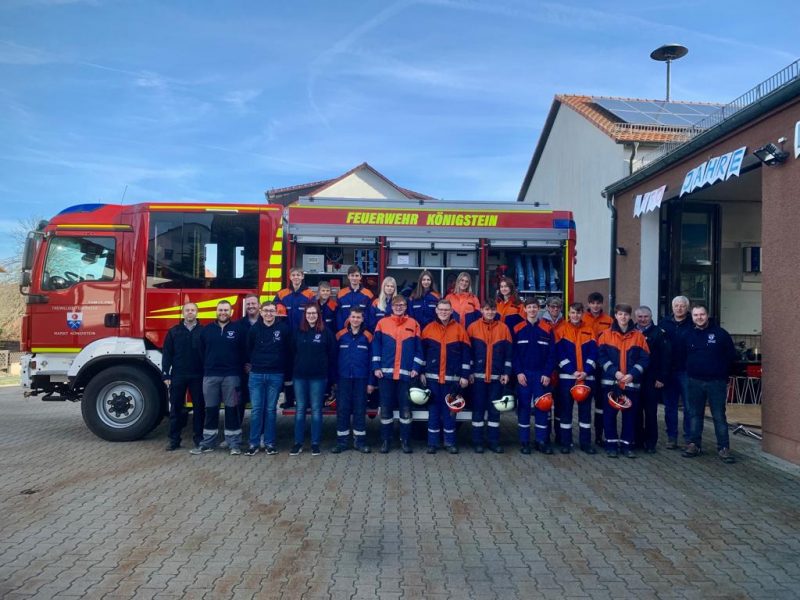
[121, 404]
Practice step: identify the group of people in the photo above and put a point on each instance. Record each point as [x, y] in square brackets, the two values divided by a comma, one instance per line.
[445, 353]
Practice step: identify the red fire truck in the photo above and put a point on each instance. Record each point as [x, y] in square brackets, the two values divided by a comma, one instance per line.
[103, 283]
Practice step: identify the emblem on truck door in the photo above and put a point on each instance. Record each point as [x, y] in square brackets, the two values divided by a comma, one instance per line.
[74, 320]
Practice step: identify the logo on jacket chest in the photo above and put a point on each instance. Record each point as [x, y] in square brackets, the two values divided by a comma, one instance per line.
[712, 339]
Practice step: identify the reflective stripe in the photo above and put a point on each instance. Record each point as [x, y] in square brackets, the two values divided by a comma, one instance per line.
[528, 426]
[390, 371]
[566, 361]
[612, 441]
[342, 433]
[387, 421]
[343, 346]
[598, 411]
[590, 361]
[608, 364]
[465, 366]
[419, 361]
[507, 363]
[209, 432]
[493, 424]
[543, 343]
[233, 432]
[608, 382]
[477, 423]
[542, 427]
[624, 442]
[641, 369]
[585, 425]
[362, 347]
[405, 421]
[449, 430]
[359, 432]
[566, 376]
[522, 341]
[288, 383]
[566, 425]
[434, 430]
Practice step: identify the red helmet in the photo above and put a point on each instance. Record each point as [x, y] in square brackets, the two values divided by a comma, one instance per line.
[455, 402]
[619, 401]
[544, 402]
[580, 391]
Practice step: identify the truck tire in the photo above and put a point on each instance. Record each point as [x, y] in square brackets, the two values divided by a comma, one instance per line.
[121, 404]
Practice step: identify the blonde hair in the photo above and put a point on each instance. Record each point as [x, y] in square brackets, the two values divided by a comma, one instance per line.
[469, 278]
[382, 298]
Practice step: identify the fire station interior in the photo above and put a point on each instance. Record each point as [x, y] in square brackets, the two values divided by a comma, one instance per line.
[711, 252]
[535, 271]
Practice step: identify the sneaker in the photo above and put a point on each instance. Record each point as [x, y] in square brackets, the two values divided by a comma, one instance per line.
[200, 450]
[726, 456]
[451, 449]
[385, 446]
[251, 451]
[588, 449]
[223, 445]
[338, 449]
[691, 451]
[296, 449]
[315, 451]
[271, 450]
[478, 448]
[171, 447]
[525, 449]
[236, 451]
[431, 450]
[672, 444]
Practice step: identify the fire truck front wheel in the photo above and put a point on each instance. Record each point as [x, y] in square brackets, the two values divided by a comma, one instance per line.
[121, 404]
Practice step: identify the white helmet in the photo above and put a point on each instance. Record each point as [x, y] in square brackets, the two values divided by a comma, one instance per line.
[504, 403]
[419, 395]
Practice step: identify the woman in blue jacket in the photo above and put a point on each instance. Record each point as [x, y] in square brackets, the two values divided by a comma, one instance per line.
[314, 354]
[422, 303]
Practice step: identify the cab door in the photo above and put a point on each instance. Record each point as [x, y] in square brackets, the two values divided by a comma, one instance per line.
[78, 291]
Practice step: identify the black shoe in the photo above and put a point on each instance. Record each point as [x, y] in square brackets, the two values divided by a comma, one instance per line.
[451, 449]
[672, 444]
[363, 448]
[431, 450]
[543, 447]
[251, 451]
[385, 446]
[726, 456]
[271, 450]
[588, 448]
[496, 448]
[691, 451]
[612, 453]
[629, 453]
[565, 449]
[172, 446]
[599, 442]
[296, 449]
[478, 448]
[407, 449]
[338, 449]
[525, 449]
[315, 451]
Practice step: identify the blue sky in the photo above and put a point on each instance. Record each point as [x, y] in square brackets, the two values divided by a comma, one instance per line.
[220, 101]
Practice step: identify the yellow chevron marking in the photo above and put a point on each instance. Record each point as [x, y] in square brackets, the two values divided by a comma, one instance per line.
[204, 304]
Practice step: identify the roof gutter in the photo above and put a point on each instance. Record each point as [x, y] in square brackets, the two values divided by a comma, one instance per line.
[769, 102]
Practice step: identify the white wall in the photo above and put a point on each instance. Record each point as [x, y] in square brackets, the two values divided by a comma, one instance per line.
[648, 265]
[740, 293]
[362, 184]
[578, 162]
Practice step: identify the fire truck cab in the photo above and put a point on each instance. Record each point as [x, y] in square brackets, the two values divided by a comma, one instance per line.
[103, 284]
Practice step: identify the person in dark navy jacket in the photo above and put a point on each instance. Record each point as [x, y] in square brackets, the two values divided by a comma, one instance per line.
[382, 305]
[655, 377]
[355, 380]
[291, 302]
[423, 301]
[182, 371]
[354, 294]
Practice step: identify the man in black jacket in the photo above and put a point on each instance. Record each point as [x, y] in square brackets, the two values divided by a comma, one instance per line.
[268, 363]
[655, 376]
[250, 318]
[222, 345]
[182, 370]
[676, 389]
[710, 354]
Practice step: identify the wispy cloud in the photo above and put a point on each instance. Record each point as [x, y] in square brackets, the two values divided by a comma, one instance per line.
[241, 99]
[12, 53]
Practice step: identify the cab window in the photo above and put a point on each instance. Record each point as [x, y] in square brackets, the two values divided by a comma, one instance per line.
[71, 260]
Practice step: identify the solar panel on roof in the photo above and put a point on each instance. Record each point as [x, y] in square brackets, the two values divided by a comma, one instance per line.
[655, 112]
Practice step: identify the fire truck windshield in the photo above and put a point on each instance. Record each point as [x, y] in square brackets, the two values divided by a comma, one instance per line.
[71, 260]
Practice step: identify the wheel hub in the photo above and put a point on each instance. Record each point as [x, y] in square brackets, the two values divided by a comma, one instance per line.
[120, 404]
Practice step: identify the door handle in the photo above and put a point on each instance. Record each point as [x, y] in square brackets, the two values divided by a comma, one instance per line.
[111, 320]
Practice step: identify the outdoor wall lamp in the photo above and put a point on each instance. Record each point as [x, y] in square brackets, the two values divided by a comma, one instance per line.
[770, 155]
[621, 251]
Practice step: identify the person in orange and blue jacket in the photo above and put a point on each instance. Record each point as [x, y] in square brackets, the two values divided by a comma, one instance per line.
[623, 356]
[396, 360]
[327, 305]
[465, 304]
[382, 305]
[291, 303]
[423, 301]
[599, 321]
[510, 308]
[351, 296]
[576, 358]
[446, 349]
[355, 380]
[491, 370]
[533, 362]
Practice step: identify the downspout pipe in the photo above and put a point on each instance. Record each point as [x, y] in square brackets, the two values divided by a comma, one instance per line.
[612, 271]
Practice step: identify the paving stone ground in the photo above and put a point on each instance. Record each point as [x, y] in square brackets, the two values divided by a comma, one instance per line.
[80, 517]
